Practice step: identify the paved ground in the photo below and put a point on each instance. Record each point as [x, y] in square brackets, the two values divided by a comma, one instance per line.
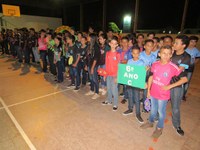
[38, 113]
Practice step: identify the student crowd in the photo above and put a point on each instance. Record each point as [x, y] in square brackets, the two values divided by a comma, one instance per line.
[169, 66]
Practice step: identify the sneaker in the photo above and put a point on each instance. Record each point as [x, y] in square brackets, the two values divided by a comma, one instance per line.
[144, 111]
[124, 101]
[128, 112]
[103, 92]
[100, 89]
[89, 93]
[71, 86]
[157, 133]
[184, 98]
[139, 118]
[180, 131]
[76, 89]
[146, 125]
[156, 119]
[115, 108]
[121, 94]
[106, 103]
[95, 96]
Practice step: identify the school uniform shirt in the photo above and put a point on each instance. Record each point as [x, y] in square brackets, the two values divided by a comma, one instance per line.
[57, 50]
[182, 60]
[138, 62]
[112, 61]
[82, 52]
[74, 52]
[155, 53]
[124, 54]
[162, 75]
[148, 59]
[94, 56]
[42, 44]
[103, 51]
[194, 53]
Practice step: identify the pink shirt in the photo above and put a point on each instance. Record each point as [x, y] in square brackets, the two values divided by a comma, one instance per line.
[162, 75]
[42, 44]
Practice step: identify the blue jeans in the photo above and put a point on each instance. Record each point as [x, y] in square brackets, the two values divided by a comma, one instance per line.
[71, 73]
[19, 53]
[112, 89]
[76, 76]
[103, 82]
[43, 55]
[134, 98]
[176, 97]
[60, 73]
[82, 73]
[125, 92]
[94, 84]
[158, 107]
[186, 85]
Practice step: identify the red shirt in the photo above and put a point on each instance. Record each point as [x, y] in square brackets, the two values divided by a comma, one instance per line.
[112, 60]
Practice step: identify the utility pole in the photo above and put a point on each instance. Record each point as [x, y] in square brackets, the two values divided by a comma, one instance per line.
[184, 15]
[81, 17]
[104, 15]
[136, 15]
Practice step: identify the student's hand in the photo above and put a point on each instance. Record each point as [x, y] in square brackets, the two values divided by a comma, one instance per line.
[115, 80]
[181, 68]
[147, 68]
[74, 65]
[86, 68]
[148, 94]
[145, 86]
[92, 71]
[166, 87]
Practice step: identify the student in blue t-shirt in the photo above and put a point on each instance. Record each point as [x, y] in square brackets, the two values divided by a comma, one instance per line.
[195, 55]
[149, 58]
[133, 92]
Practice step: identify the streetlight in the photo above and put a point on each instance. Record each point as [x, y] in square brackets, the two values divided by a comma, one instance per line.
[127, 23]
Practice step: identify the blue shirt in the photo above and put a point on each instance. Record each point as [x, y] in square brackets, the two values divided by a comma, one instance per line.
[156, 52]
[127, 55]
[148, 59]
[138, 62]
[194, 53]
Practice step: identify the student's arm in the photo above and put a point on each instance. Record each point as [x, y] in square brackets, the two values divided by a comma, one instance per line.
[77, 60]
[93, 65]
[124, 61]
[180, 82]
[150, 80]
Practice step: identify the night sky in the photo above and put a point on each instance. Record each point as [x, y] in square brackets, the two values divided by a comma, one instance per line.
[153, 14]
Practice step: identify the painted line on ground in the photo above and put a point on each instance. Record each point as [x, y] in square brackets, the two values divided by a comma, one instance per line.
[19, 128]
[33, 99]
[1, 108]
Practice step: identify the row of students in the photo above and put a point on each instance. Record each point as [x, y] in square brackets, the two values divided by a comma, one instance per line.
[87, 54]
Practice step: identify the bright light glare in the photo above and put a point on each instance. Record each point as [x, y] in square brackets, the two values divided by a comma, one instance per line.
[127, 19]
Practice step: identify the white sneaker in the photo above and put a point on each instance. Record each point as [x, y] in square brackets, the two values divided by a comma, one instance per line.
[103, 92]
[95, 96]
[89, 93]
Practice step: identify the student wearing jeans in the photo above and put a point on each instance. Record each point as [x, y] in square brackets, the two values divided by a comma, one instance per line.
[112, 60]
[182, 59]
[159, 86]
[134, 92]
[93, 56]
[195, 55]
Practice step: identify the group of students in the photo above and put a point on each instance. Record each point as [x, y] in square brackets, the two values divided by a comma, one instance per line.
[169, 66]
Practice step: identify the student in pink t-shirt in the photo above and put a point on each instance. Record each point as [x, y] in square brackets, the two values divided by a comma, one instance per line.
[42, 47]
[159, 88]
